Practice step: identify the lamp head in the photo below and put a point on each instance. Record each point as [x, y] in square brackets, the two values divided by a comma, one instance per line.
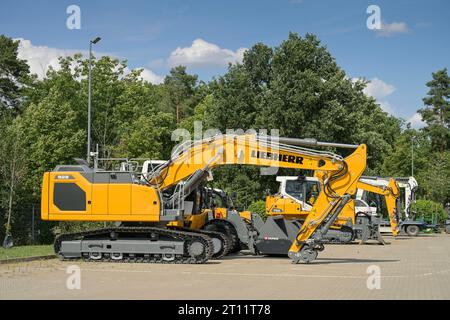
[95, 40]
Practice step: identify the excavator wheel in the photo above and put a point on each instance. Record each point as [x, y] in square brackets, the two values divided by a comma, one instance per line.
[228, 230]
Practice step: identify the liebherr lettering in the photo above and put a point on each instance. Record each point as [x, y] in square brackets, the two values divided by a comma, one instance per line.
[277, 156]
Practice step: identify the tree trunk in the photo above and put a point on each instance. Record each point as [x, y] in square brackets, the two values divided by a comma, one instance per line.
[11, 192]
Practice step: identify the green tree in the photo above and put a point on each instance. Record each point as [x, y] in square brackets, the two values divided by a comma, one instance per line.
[12, 170]
[107, 87]
[435, 176]
[143, 130]
[258, 207]
[52, 136]
[240, 180]
[398, 162]
[436, 113]
[180, 89]
[14, 73]
[146, 137]
[298, 89]
[199, 114]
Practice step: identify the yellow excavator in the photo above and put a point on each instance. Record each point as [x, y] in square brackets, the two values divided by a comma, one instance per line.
[81, 193]
[296, 196]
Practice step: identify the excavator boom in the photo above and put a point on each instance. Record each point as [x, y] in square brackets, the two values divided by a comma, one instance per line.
[195, 156]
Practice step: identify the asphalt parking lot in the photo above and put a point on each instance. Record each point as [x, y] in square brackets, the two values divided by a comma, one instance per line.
[409, 268]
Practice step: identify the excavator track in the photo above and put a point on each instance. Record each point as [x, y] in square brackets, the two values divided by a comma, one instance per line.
[218, 252]
[171, 246]
[225, 228]
[344, 235]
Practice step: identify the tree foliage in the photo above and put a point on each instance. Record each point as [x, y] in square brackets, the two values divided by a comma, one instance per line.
[14, 73]
[258, 207]
[179, 95]
[429, 145]
[298, 89]
[436, 113]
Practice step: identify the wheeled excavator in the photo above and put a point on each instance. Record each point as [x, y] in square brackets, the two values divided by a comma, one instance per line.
[296, 196]
[82, 193]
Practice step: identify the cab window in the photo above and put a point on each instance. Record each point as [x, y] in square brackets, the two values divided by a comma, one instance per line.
[303, 190]
[295, 189]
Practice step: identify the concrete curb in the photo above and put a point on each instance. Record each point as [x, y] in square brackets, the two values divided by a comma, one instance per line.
[27, 259]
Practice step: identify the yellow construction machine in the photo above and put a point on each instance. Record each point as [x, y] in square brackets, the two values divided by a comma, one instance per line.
[296, 196]
[150, 202]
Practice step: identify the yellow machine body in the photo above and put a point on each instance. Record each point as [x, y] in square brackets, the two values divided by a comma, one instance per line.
[76, 196]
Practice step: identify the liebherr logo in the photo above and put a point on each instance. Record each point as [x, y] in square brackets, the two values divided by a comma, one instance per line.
[277, 156]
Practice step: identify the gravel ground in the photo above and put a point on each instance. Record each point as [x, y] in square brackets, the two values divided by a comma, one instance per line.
[409, 268]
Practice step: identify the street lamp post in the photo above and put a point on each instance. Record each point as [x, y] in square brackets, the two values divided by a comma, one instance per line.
[93, 41]
[412, 156]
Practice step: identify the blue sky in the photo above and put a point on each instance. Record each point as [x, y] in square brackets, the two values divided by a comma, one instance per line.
[413, 43]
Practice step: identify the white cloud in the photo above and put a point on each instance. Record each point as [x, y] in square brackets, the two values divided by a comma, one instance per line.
[378, 89]
[416, 121]
[41, 58]
[202, 54]
[151, 77]
[388, 30]
[386, 106]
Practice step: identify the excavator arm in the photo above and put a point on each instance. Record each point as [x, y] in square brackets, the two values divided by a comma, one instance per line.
[200, 156]
[390, 193]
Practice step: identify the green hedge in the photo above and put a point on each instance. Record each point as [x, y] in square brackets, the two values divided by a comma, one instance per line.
[430, 211]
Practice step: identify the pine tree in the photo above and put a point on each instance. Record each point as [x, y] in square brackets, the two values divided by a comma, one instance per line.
[436, 113]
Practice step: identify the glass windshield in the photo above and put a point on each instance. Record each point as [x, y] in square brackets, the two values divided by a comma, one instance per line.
[303, 190]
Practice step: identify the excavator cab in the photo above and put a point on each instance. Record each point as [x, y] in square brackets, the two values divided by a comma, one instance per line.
[295, 198]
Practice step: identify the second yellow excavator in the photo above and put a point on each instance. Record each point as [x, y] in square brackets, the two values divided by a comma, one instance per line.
[296, 195]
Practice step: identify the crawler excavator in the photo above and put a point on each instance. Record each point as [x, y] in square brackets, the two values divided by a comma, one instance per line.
[296, 196]
[82, 193]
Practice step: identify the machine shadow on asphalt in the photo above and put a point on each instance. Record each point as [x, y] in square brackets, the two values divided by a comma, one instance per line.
[349, 260]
